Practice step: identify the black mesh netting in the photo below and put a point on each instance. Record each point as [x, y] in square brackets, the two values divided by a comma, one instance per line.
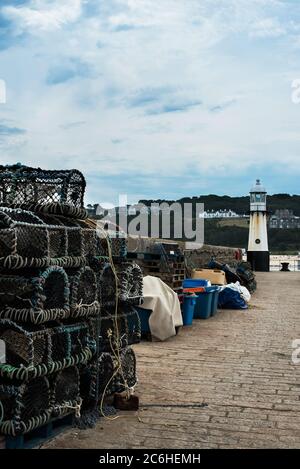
[129, 283]
[126, 377]
[35, 398]
[27, 345]
[57, 192]
[66, 386]
[84, 292]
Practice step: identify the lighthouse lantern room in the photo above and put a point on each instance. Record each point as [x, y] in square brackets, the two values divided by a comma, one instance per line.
[258, 252]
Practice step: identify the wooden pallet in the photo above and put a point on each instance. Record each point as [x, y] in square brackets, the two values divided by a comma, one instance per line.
[171, 277]
[40, 435]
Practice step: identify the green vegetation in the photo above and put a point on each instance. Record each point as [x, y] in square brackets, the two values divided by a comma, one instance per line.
[239, 205]
[234, 232]
[280, 240]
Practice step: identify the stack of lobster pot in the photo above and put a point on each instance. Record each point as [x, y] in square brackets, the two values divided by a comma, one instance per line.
[61, 349]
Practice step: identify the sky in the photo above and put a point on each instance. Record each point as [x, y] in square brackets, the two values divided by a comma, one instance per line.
[153, 98]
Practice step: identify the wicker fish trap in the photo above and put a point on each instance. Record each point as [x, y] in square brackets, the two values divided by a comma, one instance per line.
[56, 192]
[25, 407]
[28, 240]
[65, 389]
[84, 293]
[35, 299]
[129, 283]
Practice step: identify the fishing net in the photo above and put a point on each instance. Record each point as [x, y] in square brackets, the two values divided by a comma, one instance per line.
[84, 293]
[35, 299]
[55, 192]
[25, 406]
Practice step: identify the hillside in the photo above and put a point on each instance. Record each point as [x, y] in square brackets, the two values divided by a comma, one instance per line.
[238, 204]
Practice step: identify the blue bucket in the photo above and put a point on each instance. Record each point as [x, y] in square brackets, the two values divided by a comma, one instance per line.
[215, 296]
[203, 306]
[188, 309]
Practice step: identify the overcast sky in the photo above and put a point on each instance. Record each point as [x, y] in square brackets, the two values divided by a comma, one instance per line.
[153, 98]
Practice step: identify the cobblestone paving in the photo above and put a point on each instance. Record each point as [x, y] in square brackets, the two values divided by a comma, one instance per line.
[238, 363]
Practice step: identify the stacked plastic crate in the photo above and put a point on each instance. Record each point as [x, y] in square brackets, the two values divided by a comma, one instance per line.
[63, 348]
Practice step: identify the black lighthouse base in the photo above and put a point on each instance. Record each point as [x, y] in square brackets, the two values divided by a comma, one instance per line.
[259, 260]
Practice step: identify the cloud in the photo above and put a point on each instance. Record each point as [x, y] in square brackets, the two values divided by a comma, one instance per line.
[267, 27]
[42, 15]
[146, 93]
[173, 107]
[222, 106]
[6, 130]
[64, 72]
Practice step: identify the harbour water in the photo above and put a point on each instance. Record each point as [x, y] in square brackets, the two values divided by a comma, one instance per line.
[276, 260]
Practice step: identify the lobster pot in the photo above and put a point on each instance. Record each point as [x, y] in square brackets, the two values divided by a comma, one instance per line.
[107, 367]
[111, 330]
[133, 324]
[70, 340]
[130, 284]
[65, 390]
[29, 346]
[89, 383]
[25, 407]
[111, 242]
[126, 376]
[31, 240]
[35, 299]
[84, 293]
[55, 192]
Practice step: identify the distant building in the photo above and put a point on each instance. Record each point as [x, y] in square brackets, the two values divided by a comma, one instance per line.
[220, 214]
[284, 219]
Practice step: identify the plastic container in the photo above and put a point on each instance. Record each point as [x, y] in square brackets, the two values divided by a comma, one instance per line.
[144, 315]
[195, 282]
[188, 309]
[203, 306]
[192, 285]
[215, 296]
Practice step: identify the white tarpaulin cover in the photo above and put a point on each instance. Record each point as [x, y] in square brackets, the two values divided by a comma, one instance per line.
[165, 306]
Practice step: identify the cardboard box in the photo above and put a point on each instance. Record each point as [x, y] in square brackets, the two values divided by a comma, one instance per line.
[216, 277]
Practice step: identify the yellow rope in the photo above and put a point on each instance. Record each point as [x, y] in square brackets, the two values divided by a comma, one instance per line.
[117, 351]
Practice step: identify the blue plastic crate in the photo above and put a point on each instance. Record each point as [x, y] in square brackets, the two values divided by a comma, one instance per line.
[194, 283]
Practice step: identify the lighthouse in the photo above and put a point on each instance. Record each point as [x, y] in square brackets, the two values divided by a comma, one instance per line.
[258, 252]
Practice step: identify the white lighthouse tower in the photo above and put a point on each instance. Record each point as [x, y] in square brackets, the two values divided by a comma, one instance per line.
[258, 252]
